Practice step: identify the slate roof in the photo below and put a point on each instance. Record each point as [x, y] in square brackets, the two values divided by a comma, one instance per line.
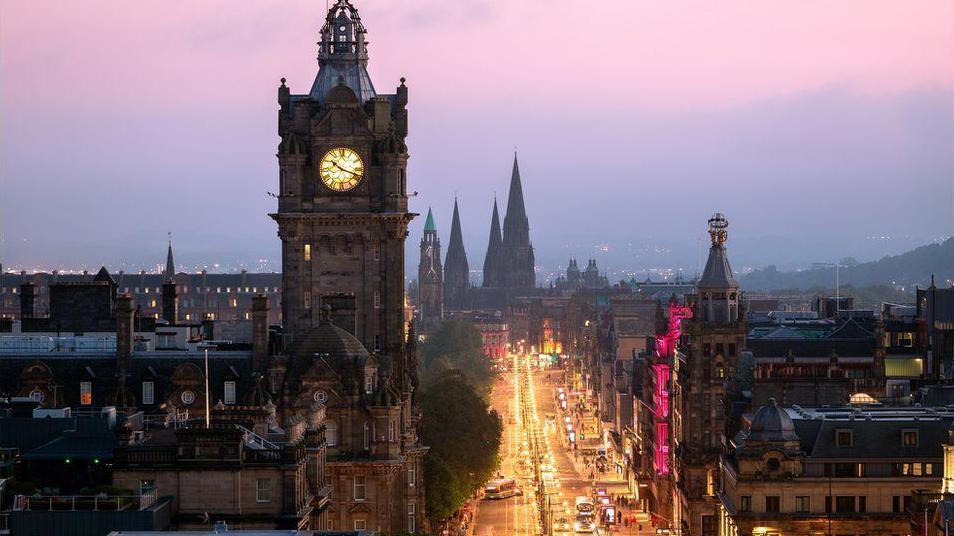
[79, 445]
[875, 438]
[717, 273]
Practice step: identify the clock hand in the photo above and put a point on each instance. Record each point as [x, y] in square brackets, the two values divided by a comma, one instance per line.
[343, 169]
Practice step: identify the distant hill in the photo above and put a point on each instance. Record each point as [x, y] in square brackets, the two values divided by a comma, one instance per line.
[907, 269]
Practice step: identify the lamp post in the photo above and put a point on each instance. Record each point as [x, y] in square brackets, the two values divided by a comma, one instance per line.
[208, 417]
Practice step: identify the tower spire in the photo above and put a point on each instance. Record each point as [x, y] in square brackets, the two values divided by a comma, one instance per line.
[494, 249]
[456, 268]
[170, 271]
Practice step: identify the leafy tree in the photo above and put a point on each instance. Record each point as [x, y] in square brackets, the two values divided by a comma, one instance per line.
[457, 345]
[464, 436]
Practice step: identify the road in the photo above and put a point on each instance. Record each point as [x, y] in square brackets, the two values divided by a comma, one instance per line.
[524, 397]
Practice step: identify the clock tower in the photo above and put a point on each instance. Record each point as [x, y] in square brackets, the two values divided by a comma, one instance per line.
[430, 279]
[342, 202]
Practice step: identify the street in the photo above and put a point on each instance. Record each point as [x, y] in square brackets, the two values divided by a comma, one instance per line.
[535, 452]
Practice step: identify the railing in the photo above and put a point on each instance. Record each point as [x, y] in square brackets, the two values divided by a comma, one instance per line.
[251, 438]
[91, 503]
[147, 455]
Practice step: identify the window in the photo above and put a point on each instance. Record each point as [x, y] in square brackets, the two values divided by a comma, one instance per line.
[152, 303]
[896, 504]
[307, 252]
[360, 524]
[862, 504]
[146, 486]
[411, 475]
[773, 504]
[803, 504]
[392, 436]
[367, 436]
[331, 433]
[187, 397]
[263, 490]
[909, 438]
[86, 393]
[233, 302]
[411, 517]
[377, 300]
[369, 384]
[148, 393]
[843, 438]
[731, 349]
[37, 395]
[307, 299]
[360, 488]
[928, 469]
[745, 503]
[229, 392]
[706, 349]
[377, 343]
[844, 503]
[720, 349]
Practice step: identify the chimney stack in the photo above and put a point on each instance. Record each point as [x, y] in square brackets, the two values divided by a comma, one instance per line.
[27, 300]
[124, 332]
[259, 332]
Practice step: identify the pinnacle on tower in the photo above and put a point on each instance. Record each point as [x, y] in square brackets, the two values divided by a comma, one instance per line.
[429, 224]
[516, 228]
[456, 268]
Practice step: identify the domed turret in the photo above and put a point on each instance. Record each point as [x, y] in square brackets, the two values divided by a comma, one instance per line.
[328, 339]
[772, 423]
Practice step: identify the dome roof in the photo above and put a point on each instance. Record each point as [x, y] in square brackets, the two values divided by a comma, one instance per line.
[327, 338]
[772, 423]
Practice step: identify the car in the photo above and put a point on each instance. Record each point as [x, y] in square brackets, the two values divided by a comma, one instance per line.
[562, 524]
[583, 525]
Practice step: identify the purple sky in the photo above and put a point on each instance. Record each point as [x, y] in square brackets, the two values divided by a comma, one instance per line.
[822, 129]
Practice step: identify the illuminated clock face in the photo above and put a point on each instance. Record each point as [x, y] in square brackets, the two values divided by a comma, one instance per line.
[341, 169]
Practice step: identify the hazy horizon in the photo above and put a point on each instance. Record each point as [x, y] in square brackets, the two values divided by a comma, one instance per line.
[820, 134]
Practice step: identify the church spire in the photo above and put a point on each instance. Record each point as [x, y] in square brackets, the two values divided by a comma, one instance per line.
[456, 268]
[494, 247]
[516, 228]
[429, 225]
[170, 271]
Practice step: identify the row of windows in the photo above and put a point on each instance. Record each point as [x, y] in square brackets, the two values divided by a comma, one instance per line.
[148, 393]
[845, 438]
[858, 470]
[803, 504]
[331, 249]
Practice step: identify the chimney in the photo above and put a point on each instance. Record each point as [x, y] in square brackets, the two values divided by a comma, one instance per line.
[27, 300]
[259, 332]
[170, 302]
[124, 332]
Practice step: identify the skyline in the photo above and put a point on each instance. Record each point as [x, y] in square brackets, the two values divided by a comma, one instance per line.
[798, 154]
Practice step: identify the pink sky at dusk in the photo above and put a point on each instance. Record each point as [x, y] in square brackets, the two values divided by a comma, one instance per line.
[114, 107]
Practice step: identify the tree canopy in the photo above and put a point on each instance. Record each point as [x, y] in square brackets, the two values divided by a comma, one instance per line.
[457, 345]
[464, 436]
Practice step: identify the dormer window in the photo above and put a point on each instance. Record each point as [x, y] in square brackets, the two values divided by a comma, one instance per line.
[369, 383]
[909, 438]
[844, 438]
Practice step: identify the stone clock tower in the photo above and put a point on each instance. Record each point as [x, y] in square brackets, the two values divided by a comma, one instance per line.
[342, 205]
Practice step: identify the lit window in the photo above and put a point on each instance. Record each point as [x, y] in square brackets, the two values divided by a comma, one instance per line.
[247, 316]
[307, 252]
[147, 290]
[234, 302]
[218, 289]
[360, 524]
[803, 504]
[360, 488]
[188, 316]
[411, 475]
[229, 392]
[148, 393]
[152, 303]
[228, 290]
[86, 393]
[211, 316]
[263, 490]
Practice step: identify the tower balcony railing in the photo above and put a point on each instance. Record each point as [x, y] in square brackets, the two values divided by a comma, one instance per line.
[87, 503]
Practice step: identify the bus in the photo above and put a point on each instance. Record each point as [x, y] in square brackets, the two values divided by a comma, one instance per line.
[502, 488]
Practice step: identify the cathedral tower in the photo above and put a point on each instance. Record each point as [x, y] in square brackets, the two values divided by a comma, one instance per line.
[430, 278]
[457, 271]
[517, 262]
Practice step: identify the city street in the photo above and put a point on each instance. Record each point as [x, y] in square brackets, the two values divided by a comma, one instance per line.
[526, 398]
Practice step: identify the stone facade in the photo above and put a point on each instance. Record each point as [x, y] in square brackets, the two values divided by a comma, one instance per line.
[430, 279]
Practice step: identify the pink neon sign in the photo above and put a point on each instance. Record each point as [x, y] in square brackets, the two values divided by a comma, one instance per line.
[665, 345]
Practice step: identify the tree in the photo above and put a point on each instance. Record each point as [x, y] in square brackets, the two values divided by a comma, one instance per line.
[457, 345]
[464, 438]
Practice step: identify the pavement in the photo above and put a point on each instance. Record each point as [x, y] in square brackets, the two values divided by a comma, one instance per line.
[519, 515]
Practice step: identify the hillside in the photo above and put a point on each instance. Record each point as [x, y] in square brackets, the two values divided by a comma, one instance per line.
[907, 269]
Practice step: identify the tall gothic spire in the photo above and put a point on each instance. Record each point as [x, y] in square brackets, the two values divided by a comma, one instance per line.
[494, 250]
[170, 272]
[516, 227]
[429, 225]
[456, 269]
[718, 273]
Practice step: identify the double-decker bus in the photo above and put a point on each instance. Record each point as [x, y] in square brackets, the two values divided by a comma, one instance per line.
[502, 488]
